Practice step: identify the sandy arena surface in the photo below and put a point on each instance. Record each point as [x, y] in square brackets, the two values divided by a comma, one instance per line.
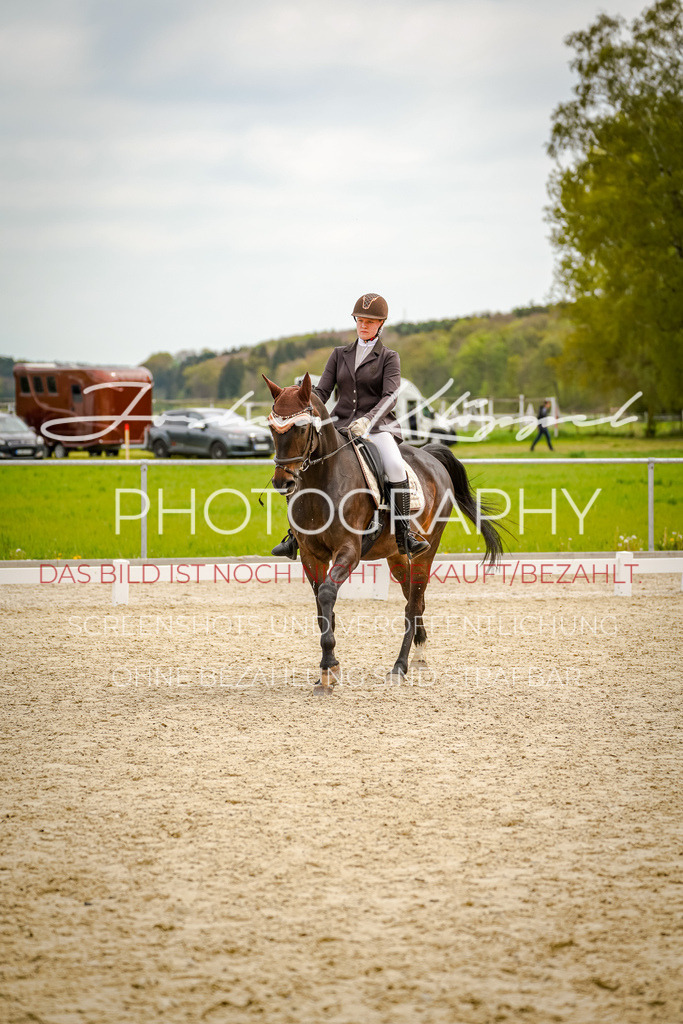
[188, 834]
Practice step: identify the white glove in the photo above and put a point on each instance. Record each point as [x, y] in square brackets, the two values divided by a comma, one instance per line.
[359, 428]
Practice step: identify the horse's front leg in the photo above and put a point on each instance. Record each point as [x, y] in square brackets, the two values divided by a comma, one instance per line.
[317, 573]
[345, 561]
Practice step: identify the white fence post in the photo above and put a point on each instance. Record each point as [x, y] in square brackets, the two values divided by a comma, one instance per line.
[143, 521]
[119, 588]
[622, 585]
[650, 505]
[369, 580]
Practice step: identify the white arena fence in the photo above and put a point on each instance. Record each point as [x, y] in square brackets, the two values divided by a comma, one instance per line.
[371, 579]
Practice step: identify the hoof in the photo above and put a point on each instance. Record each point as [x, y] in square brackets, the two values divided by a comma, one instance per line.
[396, 677]
[420, 657]
[329, 677]
[323, 691]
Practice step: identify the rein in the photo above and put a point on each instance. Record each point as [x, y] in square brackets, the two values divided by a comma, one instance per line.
[323, 458]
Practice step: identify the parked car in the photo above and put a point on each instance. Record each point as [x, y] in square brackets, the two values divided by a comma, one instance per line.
[208, 433]
[17, 440]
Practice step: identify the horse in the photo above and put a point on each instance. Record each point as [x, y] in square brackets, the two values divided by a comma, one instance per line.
[334, 518]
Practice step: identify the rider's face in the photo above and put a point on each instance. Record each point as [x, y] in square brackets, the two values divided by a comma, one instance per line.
[367, 327]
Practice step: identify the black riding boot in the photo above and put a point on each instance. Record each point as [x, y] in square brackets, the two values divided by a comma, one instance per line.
[288, 546]
[408, 543]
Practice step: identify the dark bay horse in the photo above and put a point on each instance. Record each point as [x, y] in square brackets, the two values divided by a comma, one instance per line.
[330, 508]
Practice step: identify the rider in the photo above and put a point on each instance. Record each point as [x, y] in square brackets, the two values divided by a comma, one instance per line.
[368, 376]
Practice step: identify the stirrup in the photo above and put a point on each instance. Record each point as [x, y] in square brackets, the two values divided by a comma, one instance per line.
[415, 545]
[288, 547]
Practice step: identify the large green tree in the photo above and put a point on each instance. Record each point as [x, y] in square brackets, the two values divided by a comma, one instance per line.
[617, 205]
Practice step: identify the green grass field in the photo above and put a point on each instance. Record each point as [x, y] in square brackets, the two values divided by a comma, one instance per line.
[69, 512]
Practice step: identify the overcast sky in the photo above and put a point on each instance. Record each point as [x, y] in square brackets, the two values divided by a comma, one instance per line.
[207, 173]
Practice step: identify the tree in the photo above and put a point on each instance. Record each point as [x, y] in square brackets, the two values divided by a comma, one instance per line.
[162, 366]
[617, 205]
[231, 379]
[201, 378]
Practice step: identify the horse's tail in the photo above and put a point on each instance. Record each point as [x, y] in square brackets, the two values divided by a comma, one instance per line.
[467, 501]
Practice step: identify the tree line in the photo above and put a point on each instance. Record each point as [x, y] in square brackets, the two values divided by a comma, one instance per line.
[494, 355]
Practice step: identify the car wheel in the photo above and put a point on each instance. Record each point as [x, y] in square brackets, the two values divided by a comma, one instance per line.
[59, 451]
[218, 450]
[160, 449]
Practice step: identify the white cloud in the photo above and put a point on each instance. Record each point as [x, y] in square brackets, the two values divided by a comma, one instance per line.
[35, 57]
[228, 172]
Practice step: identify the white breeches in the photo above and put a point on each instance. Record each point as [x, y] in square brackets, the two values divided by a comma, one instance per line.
[391, 456]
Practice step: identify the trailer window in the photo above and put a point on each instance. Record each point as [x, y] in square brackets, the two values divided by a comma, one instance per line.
[24, 386]
[76, 392]
[52, 385]
[38, 385]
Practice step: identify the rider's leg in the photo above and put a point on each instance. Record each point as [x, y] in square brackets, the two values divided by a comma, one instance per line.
[288, 546]
[399, 490]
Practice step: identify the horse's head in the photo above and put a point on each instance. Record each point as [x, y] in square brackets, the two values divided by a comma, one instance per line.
[295, 426]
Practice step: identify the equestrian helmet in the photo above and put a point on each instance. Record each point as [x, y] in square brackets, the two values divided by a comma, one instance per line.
[371, 306]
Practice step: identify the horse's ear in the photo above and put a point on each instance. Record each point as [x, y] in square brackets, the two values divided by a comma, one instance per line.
[274, 389]
[305, 389]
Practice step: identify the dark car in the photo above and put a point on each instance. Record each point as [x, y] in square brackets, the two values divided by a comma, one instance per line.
[17, 440]
[207, 433]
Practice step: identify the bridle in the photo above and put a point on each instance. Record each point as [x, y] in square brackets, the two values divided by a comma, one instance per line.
[281, 424]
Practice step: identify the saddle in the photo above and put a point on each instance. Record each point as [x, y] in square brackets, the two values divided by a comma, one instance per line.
[372, 465]
[370, 459]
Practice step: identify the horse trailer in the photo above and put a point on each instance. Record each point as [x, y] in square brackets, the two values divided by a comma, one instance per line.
[84, 408]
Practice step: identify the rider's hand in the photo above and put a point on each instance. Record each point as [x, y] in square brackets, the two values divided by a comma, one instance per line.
[359, 428]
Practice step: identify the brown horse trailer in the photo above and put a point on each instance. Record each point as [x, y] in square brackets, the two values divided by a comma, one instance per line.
[84, 408]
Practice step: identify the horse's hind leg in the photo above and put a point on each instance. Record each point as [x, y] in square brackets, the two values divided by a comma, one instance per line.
[420, 637]
[417, 596]
[416, 580]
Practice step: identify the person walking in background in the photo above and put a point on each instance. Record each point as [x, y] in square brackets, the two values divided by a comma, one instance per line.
[543, 431]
